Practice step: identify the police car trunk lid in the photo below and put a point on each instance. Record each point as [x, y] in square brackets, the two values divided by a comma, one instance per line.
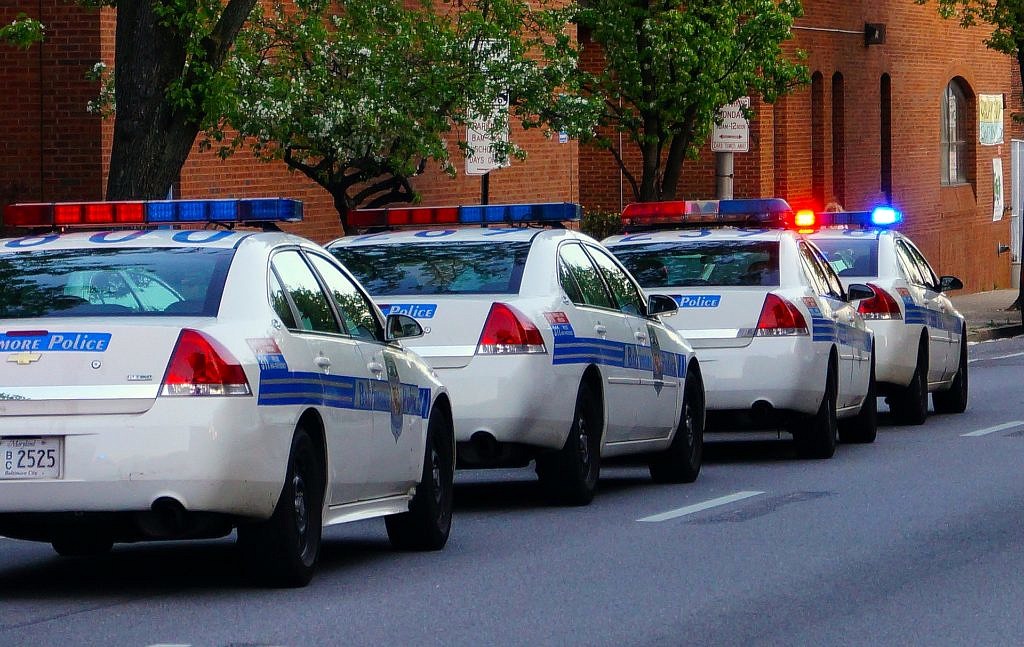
[451, 324]
[716, 316]
[75, 366]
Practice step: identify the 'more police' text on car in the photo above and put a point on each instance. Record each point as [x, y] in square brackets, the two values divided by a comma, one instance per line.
[548, 345]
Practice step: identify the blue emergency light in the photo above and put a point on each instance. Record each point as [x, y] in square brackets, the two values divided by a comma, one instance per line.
[152, 212]
[485, 214]
[880, 217]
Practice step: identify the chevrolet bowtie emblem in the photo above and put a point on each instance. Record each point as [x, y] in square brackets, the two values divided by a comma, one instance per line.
[24, 358]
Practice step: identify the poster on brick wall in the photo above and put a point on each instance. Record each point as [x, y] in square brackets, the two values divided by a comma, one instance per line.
[990, 119]
[997, 189]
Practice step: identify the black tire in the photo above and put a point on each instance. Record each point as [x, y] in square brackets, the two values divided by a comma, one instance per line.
[681, 462]
[283, 550]
[909, 405]
[863, 428]
[955, 399]
[815, 437]
[82, 545]
[428, 522]
[569, 475]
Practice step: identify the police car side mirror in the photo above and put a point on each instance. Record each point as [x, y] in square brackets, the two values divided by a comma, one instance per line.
[659, 304]
[947, 283]
[858, 291]
[402, 327]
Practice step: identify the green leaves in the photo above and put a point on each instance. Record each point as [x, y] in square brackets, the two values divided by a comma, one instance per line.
[22, 32]
[1006, 17]
[671, 65]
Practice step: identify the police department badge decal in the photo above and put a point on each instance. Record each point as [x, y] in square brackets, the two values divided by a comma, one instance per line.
[395, 387]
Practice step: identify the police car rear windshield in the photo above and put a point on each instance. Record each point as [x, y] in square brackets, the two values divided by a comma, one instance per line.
[112, 282]
[469, 267]
[719, 263]
[850, 256]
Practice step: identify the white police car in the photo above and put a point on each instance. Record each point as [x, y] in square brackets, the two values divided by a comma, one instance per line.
[779, 338]
[549, 347]
[171, 384]
[920, 338]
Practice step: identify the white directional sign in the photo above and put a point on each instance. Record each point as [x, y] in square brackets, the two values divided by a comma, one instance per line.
[732, 135]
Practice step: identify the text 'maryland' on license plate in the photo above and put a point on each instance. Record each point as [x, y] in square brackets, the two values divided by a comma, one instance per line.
[30, 458]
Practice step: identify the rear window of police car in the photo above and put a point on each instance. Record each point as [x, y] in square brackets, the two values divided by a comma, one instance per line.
[850, 257]
[112, 282]
[718, 263]
[437, 268]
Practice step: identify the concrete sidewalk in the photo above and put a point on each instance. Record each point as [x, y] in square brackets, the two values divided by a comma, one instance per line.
[986, 314]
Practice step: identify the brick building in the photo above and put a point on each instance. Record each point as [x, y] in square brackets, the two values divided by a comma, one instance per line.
[867, 129]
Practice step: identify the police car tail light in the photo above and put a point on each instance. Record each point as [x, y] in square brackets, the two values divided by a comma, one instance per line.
[780, 318]
[509, 332]
[201, 366]
[880, 306]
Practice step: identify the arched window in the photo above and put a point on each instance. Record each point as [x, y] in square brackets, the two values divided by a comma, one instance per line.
[885, 131]
[838, 138]
[818, 138]
[954, 136]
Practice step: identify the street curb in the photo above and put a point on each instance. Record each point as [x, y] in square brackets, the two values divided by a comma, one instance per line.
[998, 332]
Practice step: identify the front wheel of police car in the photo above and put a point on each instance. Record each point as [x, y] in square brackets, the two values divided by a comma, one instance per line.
[816, 437]
[570, 474]
[429, 520]
[283, 550]
[955, 399]
[681, 462]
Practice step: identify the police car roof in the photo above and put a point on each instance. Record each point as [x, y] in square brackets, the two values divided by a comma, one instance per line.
[212, 238]
[460, 235]
[840, 232]
[698, 235]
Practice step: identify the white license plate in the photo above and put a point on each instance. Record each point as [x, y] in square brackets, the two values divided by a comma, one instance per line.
[30, 458]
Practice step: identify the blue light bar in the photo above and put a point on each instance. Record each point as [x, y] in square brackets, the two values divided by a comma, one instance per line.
[518, 213]
[881, 217]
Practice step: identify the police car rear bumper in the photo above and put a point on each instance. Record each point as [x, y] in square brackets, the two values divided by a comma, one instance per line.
[896, 345]
[783, 372]
[215, 455]
[514, 398]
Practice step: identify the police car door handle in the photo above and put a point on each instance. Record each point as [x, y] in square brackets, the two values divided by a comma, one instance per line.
[322, 362]
[375, 367]
[600, 329]
[640, 337]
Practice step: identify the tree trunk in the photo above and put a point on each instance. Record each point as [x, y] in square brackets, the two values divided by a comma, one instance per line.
[153, 137]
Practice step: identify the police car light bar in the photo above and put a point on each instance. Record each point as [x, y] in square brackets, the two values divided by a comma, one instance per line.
[880, 217]
[744, 211]
[151, 212]
[486, 214]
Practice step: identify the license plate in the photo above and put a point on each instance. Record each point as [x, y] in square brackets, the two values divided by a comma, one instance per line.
[30, 458]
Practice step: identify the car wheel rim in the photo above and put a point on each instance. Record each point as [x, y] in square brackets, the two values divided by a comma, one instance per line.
[301, 511]
[435, 475]
[584, 442]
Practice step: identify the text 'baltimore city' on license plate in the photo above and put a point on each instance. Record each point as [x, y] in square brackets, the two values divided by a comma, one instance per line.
[30, 458]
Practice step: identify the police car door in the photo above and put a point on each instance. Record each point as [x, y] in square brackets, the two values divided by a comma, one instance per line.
[924, 305]
[601, 335]
[834, 313]
[394, 449]
[333, 366]
[656, 397]
[941, 315]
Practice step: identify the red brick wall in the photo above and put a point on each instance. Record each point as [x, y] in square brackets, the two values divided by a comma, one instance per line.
[953, 225]
[49, 145]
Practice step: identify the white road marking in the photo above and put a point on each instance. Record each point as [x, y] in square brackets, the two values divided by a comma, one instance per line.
[697, 507]
[982, 359]
[991, 430]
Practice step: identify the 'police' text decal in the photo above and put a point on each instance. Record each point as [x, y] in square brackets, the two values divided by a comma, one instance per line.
[414, 310]
[41, 340]
[698, 300]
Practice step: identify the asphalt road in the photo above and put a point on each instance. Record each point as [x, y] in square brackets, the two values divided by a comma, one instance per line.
[915, 539]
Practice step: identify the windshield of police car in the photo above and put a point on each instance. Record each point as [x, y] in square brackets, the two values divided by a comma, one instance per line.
[850, 256]
[112, 282]
[465, 267]
[718, 263]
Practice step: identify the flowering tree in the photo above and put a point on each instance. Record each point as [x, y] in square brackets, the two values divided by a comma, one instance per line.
[671, 65]
[360, 95]
[1006, 19]
[21, 32]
